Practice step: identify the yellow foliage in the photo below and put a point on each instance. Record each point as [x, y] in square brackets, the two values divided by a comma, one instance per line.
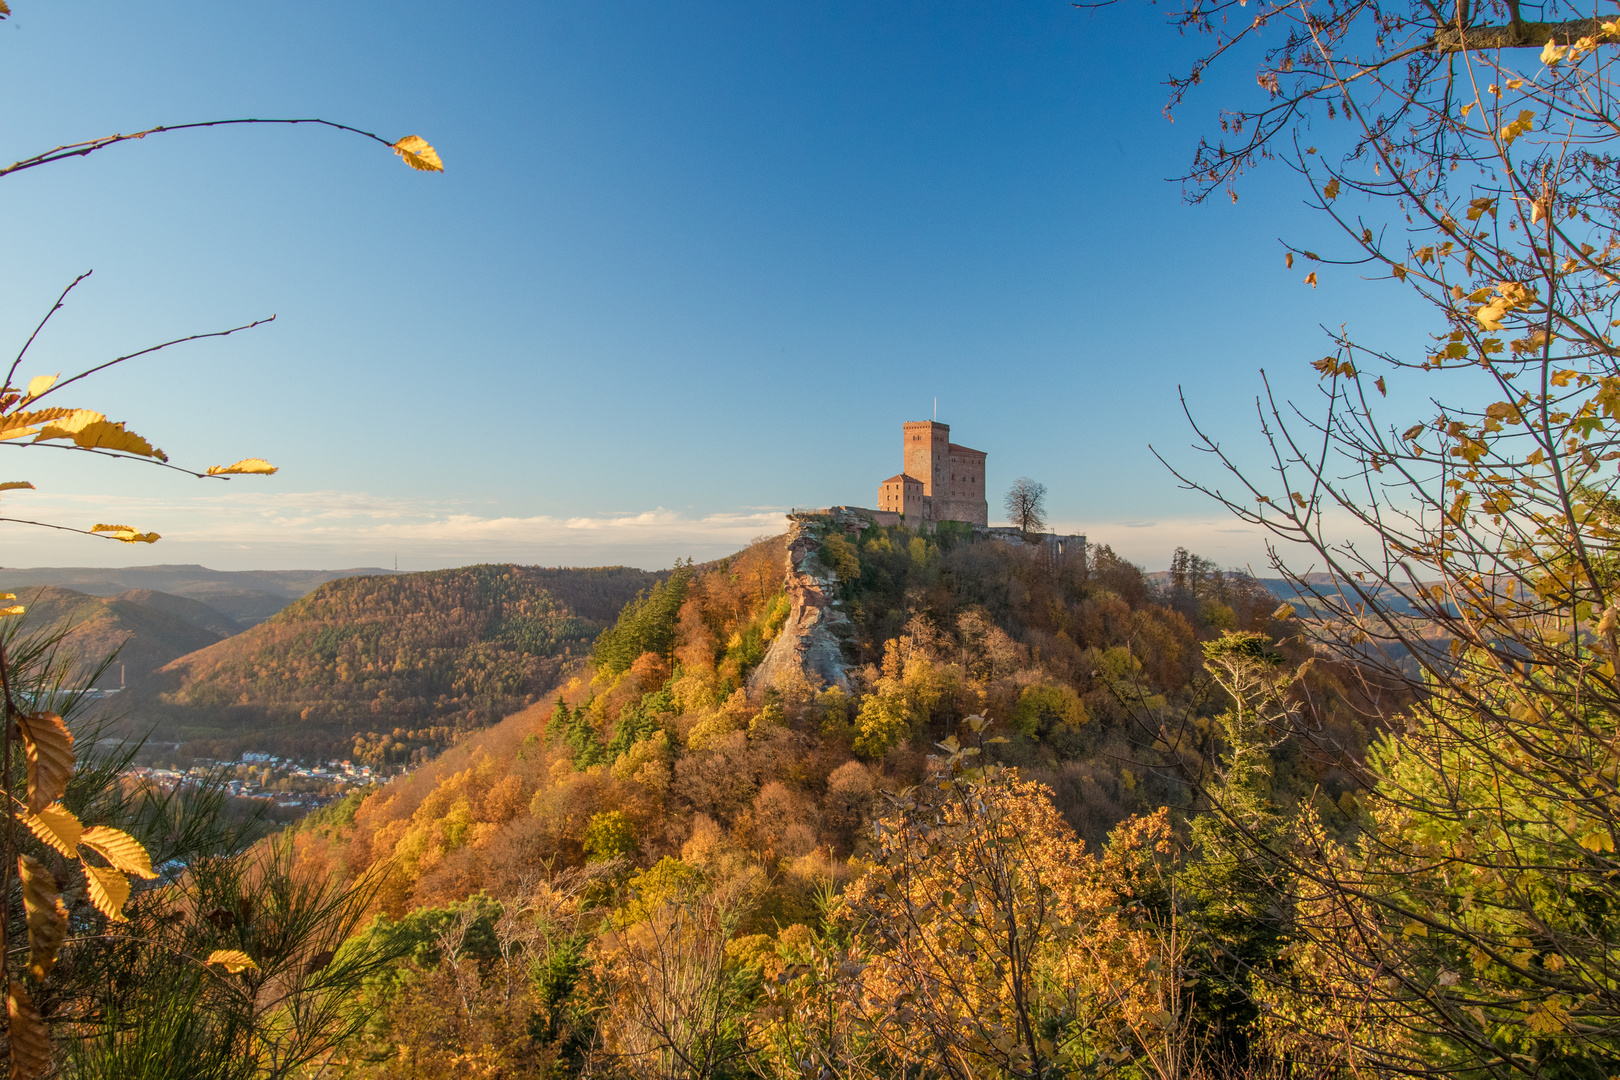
[415, 152]
[126, 534]
[109, 891]
[30, 1039]
[985, 883]
[47, 916]
[234, 961]
[56, 827]
[48, 745]
[120, 849]
[247, 466]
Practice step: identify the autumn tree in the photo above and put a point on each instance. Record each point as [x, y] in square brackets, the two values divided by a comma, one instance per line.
[1026, 505]
[1454, 492]
[675, 1006]
[993, 944]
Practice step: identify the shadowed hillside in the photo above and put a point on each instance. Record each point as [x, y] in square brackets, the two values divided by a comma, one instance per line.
[245, 596]
[147, 629]
[383, 668]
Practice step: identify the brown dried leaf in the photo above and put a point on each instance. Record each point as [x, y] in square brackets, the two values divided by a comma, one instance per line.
[49, 746]
[30, 1038]
[233, 960]
[109, 890]
[47, 917]
[56, 827]
[119, 848]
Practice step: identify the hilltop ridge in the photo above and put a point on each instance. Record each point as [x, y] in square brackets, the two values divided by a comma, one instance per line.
[386, 668]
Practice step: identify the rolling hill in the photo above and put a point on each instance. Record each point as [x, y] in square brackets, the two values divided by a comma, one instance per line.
[147, 629]
[245, 596]
[386, 668]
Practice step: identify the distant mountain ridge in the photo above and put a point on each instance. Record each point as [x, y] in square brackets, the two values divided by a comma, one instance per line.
[147, 629]
[245, 596]
[380, 667]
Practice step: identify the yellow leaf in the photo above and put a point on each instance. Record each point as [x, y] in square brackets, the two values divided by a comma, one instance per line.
[1331, 191]
[101, 435]
[1298, 498]
[14, 609]
[119, 848]
[1552, 53]
[15, 485]
[126, 534]
[48, 744]
[63, 422]
[39, 384]
[418, 154]
[28, 1035]
[1597, 840]
[56, 827]
[233, 960]
[108, 891]
[1284, 612]
[47, 917]
[1288, 260]
[1379, 382]
[246, 465]
[1310, 279]
[4, 9]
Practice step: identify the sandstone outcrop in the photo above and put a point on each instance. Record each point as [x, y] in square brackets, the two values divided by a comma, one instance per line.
[811, 638]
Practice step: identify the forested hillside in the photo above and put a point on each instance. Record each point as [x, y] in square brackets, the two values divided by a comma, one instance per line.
[654, 788]
[244, 596]
[146, 629]
[382, 668]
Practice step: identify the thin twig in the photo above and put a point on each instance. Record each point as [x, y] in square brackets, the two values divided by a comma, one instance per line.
[90, 146]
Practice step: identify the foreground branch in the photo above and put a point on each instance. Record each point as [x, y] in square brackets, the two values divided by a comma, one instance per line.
[1518, 35]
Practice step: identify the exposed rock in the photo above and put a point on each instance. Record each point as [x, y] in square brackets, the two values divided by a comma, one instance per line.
[811, 638]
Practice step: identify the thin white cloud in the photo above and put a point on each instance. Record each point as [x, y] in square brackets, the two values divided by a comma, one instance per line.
[337, 528]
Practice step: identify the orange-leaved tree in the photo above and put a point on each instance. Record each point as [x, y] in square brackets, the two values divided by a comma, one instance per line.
[994, 945]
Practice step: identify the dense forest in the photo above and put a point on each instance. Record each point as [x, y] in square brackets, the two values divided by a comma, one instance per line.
[656, 873]
[386, 669]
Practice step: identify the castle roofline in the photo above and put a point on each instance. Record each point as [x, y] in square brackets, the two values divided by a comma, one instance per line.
[955, 449]
[902, 476]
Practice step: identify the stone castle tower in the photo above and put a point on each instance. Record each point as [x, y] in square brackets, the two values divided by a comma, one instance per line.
[941, 481]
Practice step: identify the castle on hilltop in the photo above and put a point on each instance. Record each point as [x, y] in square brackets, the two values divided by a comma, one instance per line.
[941, 481]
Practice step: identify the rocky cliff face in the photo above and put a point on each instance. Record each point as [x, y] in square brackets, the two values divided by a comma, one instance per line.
[811, 639]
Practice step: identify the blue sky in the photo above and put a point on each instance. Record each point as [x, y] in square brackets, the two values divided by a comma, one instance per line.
[689, 265]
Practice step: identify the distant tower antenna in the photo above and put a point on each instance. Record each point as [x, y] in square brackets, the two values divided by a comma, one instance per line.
[936, 407]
